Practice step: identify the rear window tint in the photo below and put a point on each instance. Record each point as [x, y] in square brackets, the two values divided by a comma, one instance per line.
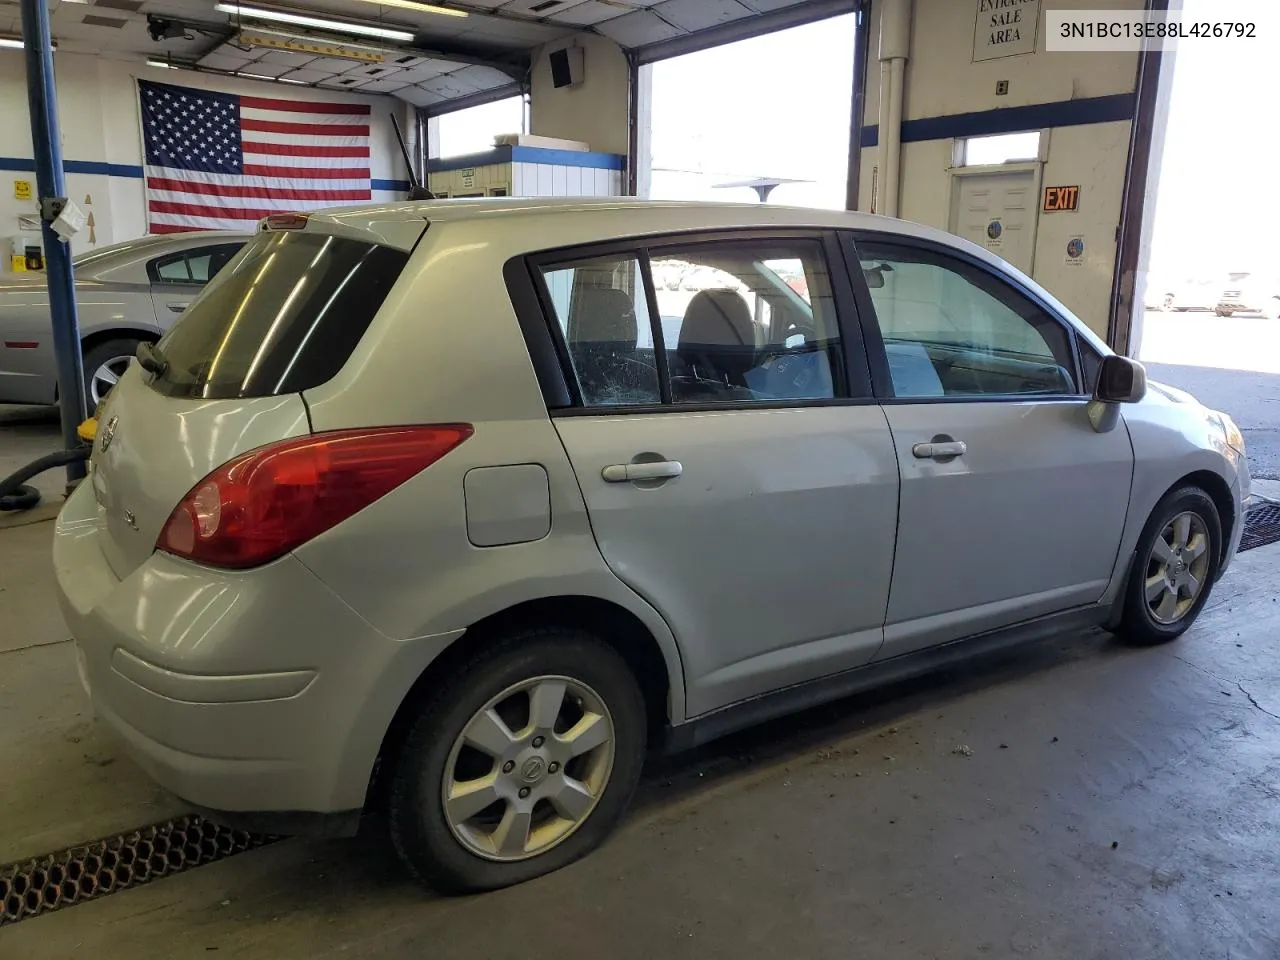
[283, 318]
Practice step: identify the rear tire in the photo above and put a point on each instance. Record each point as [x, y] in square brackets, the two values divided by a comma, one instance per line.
[539, 817]
[102, 362]
[1174, 567]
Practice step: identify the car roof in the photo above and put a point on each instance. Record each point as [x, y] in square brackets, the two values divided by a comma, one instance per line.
[683, 214]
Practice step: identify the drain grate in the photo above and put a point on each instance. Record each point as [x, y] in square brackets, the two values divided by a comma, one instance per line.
[1261, 526]
[56, 880]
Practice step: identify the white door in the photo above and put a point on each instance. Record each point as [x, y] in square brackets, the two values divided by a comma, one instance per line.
[726, 481]
[1012, 506]
[997, 211]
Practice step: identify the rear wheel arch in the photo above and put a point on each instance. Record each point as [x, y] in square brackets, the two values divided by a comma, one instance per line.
[610, 622]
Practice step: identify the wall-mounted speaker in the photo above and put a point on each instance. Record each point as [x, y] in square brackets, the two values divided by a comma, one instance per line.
[566, 67]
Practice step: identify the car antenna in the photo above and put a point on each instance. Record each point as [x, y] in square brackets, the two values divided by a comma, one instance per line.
[416, 190]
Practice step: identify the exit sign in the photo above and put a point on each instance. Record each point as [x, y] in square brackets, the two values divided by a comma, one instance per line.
[1061, 198]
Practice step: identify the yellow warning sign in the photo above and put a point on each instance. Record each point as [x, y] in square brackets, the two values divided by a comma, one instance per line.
[22, 189]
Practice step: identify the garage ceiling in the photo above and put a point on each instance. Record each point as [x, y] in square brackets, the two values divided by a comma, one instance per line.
[450, 57]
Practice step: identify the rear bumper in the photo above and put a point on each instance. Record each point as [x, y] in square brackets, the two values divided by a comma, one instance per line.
[238, 691]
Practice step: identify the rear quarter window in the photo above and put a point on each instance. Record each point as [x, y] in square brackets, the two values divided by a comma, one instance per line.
[283, 318]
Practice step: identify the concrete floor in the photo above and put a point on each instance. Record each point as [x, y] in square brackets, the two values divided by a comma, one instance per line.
[1110, 803]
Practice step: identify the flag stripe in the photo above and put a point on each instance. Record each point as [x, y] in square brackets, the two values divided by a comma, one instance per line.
[301, 106]
[304, 116]
[276, 204]
[177, 223]
[261, 137]
[204, 210]
[281, 126]
[305, 150]
[169, 185]
[271, 183]
[340, 173]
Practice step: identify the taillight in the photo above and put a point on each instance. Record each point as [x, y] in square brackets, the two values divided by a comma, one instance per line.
[265, 503]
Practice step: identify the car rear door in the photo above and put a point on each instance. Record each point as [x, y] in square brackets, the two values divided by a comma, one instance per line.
[740, 479]
[1012, 506]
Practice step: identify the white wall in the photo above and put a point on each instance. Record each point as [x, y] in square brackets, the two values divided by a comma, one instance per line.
[942, 80]
[98, 114]
[594, 112]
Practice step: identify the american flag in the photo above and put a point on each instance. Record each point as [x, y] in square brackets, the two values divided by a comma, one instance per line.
[218, 161]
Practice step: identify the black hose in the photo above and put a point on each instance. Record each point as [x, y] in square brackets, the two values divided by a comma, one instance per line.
[15, 494]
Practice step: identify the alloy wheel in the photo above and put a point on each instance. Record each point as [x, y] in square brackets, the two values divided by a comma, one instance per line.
[528, 768]
[1177, 568]
[105, 377]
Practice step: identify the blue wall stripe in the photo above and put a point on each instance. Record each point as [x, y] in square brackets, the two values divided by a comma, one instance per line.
[508, 154]
[1063, 113]
[135, 172]
[569, 158]
[77, 166]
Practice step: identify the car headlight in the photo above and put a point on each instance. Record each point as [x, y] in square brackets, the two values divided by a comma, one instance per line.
[1231, 434]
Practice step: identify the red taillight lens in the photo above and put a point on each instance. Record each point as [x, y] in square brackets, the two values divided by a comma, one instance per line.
[265, 503]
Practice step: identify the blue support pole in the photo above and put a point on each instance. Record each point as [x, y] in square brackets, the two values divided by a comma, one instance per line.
[42, 104]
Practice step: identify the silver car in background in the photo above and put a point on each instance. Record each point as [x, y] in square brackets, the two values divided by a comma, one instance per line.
[450, 507]
[126, 294]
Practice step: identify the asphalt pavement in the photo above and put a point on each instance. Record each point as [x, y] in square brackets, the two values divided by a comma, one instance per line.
[1230, 364]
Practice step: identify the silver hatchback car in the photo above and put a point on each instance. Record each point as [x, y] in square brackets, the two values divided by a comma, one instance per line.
[450, 507]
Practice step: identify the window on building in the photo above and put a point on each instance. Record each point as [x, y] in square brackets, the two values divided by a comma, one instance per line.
[741, 122]
[472, 130]
[1000, 148]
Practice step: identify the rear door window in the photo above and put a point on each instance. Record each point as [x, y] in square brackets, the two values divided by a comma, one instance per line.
[284, 318]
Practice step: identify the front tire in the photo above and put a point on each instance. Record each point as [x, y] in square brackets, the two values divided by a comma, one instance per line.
[523, 760]
[1174, 567]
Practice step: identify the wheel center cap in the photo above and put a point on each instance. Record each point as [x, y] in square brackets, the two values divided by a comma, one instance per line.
[533, 770]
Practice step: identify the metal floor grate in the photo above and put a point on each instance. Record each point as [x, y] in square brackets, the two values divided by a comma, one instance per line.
[50, 882]
[1261, 526]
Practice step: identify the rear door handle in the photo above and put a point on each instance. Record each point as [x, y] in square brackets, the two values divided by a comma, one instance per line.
[656, 470]
[178, 307]
[939, 450]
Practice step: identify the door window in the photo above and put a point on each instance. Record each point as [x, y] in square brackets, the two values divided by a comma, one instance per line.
[601, 308]
[953, 330]
[737, 321]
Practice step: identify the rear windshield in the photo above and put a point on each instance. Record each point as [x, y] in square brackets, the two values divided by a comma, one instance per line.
[282, 318]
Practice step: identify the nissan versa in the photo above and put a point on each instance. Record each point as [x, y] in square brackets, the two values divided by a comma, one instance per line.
[451, 505]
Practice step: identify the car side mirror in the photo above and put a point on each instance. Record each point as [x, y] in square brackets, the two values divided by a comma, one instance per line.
[1120, 380]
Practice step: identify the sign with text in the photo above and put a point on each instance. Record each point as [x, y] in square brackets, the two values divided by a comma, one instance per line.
[1005, 28]
[22, 189]
[1061, 198]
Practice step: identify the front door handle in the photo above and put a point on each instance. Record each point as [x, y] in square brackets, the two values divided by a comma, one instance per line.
[653, 470]
[939, 450]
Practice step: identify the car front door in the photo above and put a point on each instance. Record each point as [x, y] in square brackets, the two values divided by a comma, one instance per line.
[733, 476]
[1012, 506]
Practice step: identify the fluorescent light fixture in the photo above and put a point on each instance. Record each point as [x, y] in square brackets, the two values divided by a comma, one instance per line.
[162, 65]
[15, 43]
[420, 7]
[319, 23]
[259, 76]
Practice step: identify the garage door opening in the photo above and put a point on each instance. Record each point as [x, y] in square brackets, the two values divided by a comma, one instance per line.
[761, 119]
[1212, 320]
